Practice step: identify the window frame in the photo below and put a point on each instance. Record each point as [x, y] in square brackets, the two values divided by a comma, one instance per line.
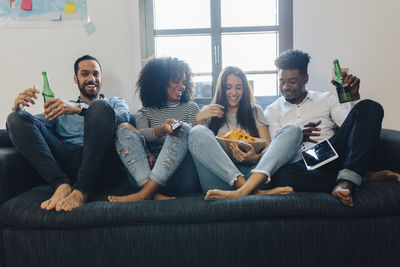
[284, 30]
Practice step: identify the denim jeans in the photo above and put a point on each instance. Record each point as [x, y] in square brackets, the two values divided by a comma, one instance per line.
[354, 141]
[174, 169]
[58, 161]
[52, 158]
[217, 171]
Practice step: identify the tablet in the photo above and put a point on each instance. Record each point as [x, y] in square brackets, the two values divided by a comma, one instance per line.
[319, 154]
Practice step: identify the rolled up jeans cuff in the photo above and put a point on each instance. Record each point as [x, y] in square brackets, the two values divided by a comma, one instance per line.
[350, 175]
[263, 172]
[158, 179]
[232, 182]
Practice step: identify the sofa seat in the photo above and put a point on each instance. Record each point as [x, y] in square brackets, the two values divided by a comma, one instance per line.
[189, 231]
[375, 199]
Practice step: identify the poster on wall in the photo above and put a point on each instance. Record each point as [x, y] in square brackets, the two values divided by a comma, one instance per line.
[26, 13]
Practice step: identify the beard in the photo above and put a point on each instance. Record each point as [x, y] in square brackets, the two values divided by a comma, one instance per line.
[87, 92]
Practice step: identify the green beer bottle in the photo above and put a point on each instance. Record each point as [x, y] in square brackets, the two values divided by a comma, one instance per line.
[46, 91]
[343, 92]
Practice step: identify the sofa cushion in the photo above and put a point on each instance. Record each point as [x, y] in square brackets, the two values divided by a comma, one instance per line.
[374, 199]
[5, 140]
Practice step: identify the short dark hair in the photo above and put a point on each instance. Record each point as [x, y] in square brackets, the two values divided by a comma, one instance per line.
[293, 59]
[154, 80]
[85, 57]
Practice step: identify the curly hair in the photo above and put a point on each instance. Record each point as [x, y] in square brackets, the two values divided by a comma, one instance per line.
[154, 80]
[246, 111]
[293, 59]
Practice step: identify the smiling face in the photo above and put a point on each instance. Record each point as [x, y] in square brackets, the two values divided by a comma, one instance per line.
[293, 85]
[233, 91]
[88, 80]
[176, 88]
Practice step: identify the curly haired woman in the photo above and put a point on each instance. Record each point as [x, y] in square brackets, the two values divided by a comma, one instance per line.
[165, 87]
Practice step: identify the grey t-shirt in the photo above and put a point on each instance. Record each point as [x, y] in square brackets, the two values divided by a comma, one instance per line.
[232, 124]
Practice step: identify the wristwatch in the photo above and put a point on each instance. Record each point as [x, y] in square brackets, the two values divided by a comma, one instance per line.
[83, 107]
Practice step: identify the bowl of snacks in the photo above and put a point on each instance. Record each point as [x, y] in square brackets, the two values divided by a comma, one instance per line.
[242, 139]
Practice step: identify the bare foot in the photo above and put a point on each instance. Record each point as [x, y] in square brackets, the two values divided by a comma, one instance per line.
[276, 191]
[159, 196]
[382, 175]
[72, 201]
[148, 192]
[61, 192]
[139, 196]
[343, 191]
[216, 194]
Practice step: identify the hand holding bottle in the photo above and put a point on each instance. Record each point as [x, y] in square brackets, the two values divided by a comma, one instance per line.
[25, 98]
[56, 107]
[347, 86]
[352, 83]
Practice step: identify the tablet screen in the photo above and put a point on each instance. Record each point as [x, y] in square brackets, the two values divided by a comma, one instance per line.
[319, 154]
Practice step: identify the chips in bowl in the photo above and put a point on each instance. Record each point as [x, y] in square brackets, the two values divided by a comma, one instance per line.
[240, 137]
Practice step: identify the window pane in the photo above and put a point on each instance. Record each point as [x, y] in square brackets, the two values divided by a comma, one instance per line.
[248, 13]
[263, 84]
[181, 14]
[195, 50]
[202, 86]
[250, 52]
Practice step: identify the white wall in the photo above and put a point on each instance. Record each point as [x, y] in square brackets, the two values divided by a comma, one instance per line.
[364, 35]
[25, 53]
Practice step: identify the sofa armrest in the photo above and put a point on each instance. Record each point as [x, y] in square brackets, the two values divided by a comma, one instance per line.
[388, 153]
[16, 174]
[5, 140]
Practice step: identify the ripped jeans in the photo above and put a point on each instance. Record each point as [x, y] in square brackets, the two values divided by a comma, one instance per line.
[174, 169]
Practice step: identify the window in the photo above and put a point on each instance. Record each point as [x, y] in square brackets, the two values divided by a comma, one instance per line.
[212, 34]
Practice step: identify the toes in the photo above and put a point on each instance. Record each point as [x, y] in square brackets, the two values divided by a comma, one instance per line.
[44, 204]
[208, 196]
[347, 202]
[59, 205]
[50, 205]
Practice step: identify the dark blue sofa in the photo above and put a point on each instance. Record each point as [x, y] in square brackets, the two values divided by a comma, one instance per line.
[302, 229]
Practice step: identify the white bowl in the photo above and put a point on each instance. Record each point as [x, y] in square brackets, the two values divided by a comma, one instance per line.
[258, 145]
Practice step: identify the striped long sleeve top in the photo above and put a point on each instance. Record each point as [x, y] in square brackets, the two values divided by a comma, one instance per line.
[149, 118]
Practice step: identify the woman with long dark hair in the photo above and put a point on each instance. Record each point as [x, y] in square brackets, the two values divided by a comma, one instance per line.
[233, 106]
[165, 88]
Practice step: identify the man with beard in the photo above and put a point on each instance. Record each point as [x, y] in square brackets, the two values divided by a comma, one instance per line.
[68, 142]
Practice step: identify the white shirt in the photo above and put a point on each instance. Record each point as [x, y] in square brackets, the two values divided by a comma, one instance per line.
[323, 106]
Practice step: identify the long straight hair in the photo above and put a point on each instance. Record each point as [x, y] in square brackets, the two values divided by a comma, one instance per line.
[245, 115]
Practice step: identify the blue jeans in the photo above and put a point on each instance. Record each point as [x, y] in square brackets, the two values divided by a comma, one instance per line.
[174, 169]
[58, 161]
[217, 171]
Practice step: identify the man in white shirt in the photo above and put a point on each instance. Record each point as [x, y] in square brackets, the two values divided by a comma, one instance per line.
[352, 128]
